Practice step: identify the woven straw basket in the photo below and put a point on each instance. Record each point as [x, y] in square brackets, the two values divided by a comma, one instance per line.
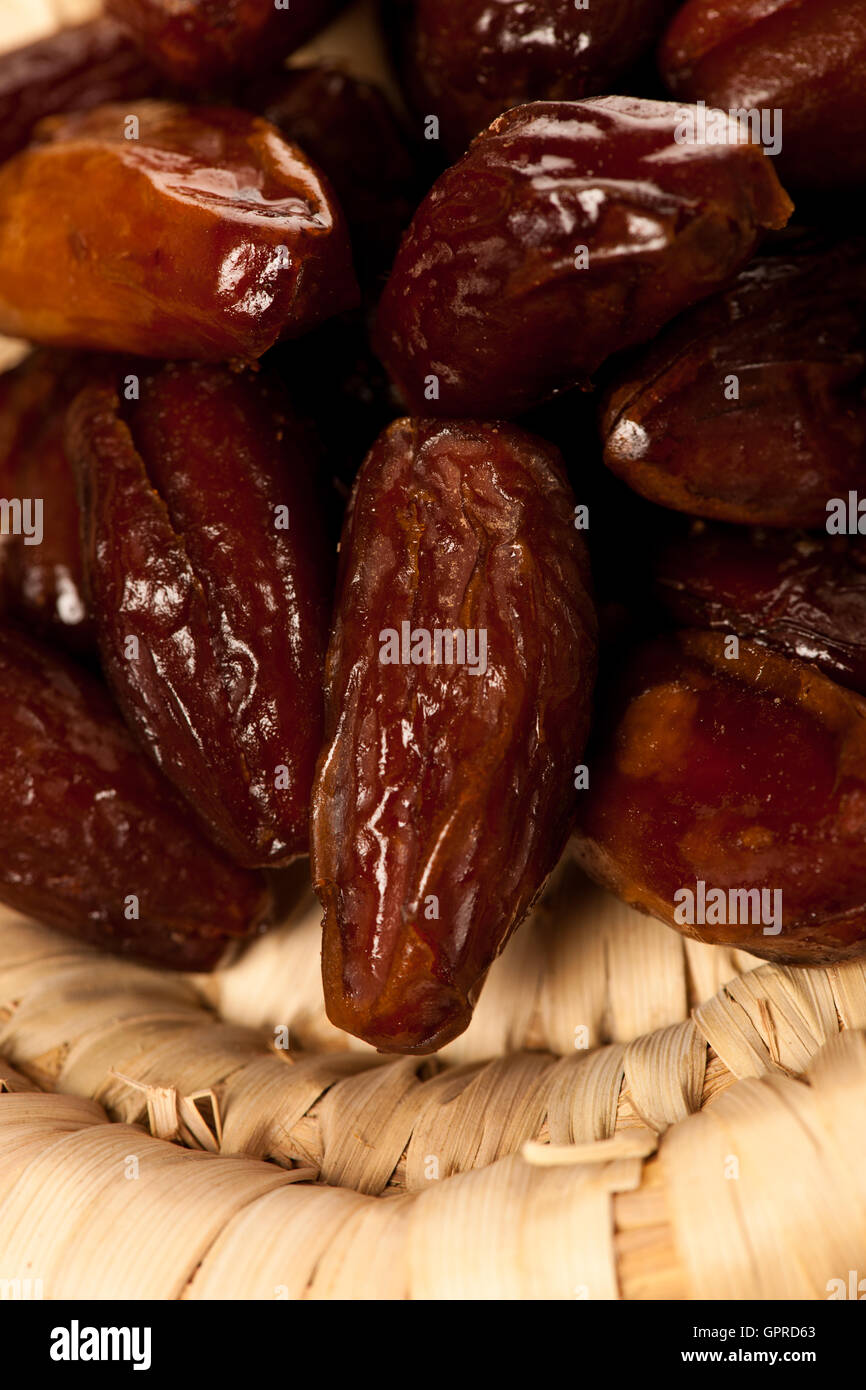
[630, 1115]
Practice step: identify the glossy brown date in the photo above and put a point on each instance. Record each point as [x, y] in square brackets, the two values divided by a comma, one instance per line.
[205, 236]
[210, 575]
[751, 407]
[467, 61]
[41, 578]
[805, 58]
[349, 130]
[743, 775]
[72, 70]
[445, 791]
[804, 595]
[93, 841]
[568, 232]
[200, 42]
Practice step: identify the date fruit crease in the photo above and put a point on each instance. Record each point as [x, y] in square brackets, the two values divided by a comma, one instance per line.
[209, 576]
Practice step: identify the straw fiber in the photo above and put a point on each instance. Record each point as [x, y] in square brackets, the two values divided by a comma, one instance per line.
[615, 1124]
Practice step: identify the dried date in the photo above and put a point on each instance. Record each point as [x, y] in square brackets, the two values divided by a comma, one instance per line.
[94, 842]
[209, 572]
[467, 61]
[446, 786]
[804, 595]
[751, 407]
[201, 42]
[803, 58]
[72, 70]
[203, 235]
[728, 798]
[568, 232]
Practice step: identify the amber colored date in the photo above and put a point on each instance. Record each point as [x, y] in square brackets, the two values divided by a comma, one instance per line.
[467, 61]
[72, 70]
[751, 407]
[199, 42]
[728, 797]
[804, 595]
[95, 843]
[210, 575]
[568, 232]
[41, 578]
[203, 235]
[803, 58]
[349, 130]
[445, 789]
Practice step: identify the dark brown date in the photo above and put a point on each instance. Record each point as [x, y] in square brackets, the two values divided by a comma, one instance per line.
[92, 840]
[752, 406]
[207, 236]
[715, 777]
[41, 579]
[446, 787]
[210, 575]
[467, 61]
[351, 133]
[72, 70]
[804, 595]
[200, 42]
[568, 232]
[805, 58]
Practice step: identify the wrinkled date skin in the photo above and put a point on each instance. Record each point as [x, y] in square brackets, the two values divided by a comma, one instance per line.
[349, 130]
[806, 58]
[95, 826]
[467, 61]
[41, 578]
[804, 595]
[752, 406]
[738, 774]
[443, 796]
[200, 42]
[204, 542]
[206, 237]
[486, 295]
[72, 70]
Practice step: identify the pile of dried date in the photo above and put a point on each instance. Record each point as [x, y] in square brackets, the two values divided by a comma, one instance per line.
[555, 350]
